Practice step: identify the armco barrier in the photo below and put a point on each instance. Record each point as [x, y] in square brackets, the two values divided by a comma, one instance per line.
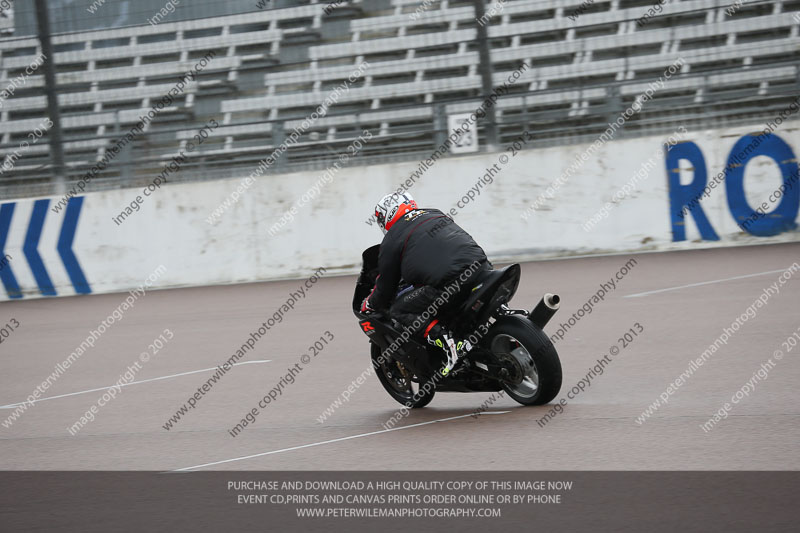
[80, 249]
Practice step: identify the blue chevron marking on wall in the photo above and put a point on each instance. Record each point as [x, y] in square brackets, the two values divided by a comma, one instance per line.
[31, 248]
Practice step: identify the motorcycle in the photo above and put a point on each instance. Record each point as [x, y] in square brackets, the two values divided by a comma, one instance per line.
[510, 351]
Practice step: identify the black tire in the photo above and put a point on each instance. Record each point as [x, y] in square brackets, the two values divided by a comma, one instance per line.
[544, 373]
[397, 385]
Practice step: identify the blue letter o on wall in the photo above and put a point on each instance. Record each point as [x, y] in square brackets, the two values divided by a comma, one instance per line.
[780, 219]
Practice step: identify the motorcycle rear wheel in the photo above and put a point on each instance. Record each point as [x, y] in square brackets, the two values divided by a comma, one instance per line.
[518, 338]
[399, 382]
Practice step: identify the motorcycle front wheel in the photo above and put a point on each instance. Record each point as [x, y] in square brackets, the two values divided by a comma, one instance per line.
[399, 382]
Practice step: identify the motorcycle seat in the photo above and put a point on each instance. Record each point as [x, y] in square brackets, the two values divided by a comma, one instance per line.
[486, 296]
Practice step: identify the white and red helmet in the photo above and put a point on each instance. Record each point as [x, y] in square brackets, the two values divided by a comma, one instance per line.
[391, 207]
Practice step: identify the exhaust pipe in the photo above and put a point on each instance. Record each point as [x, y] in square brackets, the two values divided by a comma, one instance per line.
[545, 310]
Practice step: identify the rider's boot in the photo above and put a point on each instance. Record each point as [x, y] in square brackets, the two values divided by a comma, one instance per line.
[438, 336]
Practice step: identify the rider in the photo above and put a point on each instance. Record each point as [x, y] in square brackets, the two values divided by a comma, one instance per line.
[429, 252]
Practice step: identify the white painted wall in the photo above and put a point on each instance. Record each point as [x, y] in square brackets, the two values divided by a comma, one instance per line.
[330, 230]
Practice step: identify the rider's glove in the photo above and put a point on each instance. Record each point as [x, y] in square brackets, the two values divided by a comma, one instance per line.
[366, 307]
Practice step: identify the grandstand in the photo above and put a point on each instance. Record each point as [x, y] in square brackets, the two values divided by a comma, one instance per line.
[272, 67]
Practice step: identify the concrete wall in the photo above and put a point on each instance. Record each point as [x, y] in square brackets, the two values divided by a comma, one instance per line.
[172, 228]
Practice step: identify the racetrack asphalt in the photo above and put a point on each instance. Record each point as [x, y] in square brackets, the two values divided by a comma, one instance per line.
[697, 294]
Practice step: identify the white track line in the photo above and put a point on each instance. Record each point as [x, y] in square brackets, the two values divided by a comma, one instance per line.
[638, 294]
[333, 440]
[13, 405]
